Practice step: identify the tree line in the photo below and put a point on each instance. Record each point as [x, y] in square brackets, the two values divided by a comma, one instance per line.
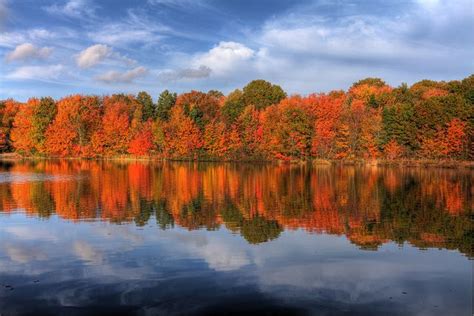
[428, 120]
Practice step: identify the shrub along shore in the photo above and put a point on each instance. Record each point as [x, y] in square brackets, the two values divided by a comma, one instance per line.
[428, 123]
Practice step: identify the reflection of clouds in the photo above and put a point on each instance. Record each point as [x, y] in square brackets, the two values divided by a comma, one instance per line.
[23, 254]
[348, 282]
[86, 252]
[222, 256]
[309, 268]
[30, 233]
[118, 232]
[298, 268]
[222, 252]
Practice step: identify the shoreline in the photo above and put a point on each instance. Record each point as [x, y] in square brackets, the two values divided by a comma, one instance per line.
[423, 163]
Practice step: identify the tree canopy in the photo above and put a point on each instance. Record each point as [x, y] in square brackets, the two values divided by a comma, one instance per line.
[372, 120]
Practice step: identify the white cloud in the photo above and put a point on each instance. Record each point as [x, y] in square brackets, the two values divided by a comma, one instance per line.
[312, 47]
[312, 51]
[28, 51]
[187, 73]
[13, 39]
[226, 60]
[96, 54]
[37, 72]
[114, 34]
[93, 55]
[225, 57]
[136, 27]
[122, 77]
[72, 8]
[427, 41]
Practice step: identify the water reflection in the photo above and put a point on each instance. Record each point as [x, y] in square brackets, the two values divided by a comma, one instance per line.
[88, 237]
[370, 206]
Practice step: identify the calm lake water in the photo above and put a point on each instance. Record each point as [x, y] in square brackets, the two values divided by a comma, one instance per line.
[82, 237]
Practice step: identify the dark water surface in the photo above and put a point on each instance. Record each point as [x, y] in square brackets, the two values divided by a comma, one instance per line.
[85, 237]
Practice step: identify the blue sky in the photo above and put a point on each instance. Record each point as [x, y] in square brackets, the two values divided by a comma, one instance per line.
[61, 47]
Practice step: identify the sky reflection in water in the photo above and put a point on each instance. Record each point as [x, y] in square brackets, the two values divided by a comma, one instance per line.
[174, 238]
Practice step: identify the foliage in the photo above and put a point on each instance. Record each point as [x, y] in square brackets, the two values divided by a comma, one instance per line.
[146, 101]
[261, 93]
[199, 106]
[43, 116]
[371, 120]
[8, 111]
[70, 133]
[288, 129]
[233, 106]
[166, 101]
[182, 135]
[22, 131]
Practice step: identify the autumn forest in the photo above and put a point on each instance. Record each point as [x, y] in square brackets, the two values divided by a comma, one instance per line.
[372, 120]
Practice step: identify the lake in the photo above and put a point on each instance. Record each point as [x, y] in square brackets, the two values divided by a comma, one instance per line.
[83, 237]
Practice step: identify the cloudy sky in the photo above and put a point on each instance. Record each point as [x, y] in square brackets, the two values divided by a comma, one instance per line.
[60, 47]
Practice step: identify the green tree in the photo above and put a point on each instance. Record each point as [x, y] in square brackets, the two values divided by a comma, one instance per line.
[261, 93]
[233, 106]
[402, 94]
[165, 102]
[436, 112]
[215, 93]
[377, 82]
[43, 116]
[201, 107]
[148, 107]
[8, 111]
[399, 124]
[467, 85]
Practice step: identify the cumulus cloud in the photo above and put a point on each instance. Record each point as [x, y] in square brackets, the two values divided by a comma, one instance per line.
[187, 73]
[37, 72]
[351, 39]
[122, 77]
[419, 42]
[225, 57]
[72, 8]
[93, 55]
[426, 39]
[28, 51]
[320, 45]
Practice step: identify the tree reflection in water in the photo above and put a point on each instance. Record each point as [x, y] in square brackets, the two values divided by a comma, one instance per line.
[368, 205]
